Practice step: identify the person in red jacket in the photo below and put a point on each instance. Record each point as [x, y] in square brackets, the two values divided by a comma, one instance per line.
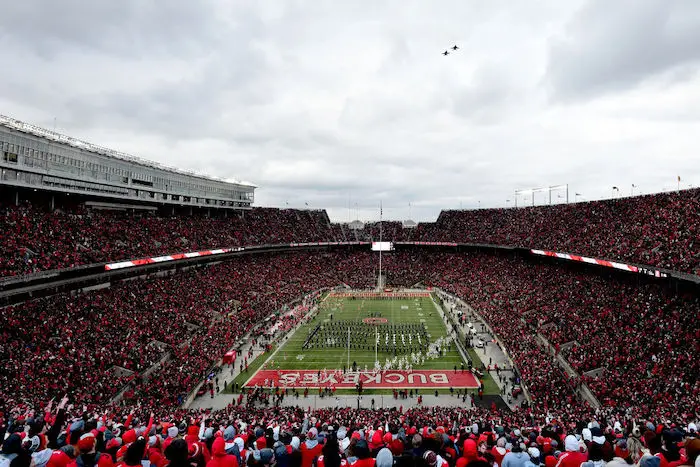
[573, 457]
[88, 457]
[219, 458]
[310, 448]
[470, 451]
[361, 451]
[499, 450]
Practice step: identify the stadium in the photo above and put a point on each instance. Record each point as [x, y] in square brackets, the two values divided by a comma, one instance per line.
[142, 304]
[368, 233]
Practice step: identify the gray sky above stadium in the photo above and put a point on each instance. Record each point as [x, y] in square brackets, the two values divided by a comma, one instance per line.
[339, 104]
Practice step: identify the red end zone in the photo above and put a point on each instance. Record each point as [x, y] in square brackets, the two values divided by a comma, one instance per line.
[370, 380]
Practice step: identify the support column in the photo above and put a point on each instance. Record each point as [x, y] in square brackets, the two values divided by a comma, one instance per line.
[53, 201]
[16, 198]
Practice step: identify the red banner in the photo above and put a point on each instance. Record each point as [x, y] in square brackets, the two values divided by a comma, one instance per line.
[370, 380]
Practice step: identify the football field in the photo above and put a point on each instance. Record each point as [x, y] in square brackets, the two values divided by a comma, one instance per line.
[382, 343]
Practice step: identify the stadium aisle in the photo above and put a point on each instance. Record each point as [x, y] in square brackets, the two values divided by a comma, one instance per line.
[491, 353]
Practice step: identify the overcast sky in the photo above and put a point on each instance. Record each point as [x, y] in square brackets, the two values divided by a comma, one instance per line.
[345, 103]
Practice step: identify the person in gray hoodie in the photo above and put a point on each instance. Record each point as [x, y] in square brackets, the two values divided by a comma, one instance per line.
[516, 457]
[231, 447]
[384, 458]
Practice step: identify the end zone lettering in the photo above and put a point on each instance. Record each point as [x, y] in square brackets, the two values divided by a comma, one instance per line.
[370, 379]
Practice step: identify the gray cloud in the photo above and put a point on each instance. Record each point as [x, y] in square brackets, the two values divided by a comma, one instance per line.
[344, 104]
[612, 46]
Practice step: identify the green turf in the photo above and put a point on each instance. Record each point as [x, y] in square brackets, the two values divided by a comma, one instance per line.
[293, 357]
[337, 357]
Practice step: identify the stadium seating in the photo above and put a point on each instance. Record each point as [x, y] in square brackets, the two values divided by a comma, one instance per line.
[71, 342]
[633, 343]
[35, 239]
[296, 437]
[659, 230]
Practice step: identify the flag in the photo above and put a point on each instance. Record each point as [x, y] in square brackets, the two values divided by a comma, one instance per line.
[615, 188]
[578, 194]
[679, 179]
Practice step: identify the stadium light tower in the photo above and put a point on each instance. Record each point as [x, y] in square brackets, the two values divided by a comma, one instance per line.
[548, 189]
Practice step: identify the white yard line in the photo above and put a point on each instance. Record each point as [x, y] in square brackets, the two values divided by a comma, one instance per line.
[289, 336]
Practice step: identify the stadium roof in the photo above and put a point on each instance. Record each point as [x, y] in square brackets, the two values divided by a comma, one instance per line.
[35, 130]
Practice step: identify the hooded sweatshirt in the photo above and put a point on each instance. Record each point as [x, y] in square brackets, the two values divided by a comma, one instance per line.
[219, 458]
[499, 450]
[41, 458]
[470, 452]
[384, 458]
[572, 457]
[309, 450]
[295, 454]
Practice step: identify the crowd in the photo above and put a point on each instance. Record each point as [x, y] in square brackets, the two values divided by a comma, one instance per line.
[69, 436]
[660, 230]
[35, 239]
[640, 341]
[69, 343]
[644, 341]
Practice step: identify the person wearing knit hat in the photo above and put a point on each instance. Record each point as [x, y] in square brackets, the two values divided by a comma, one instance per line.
[343, 439]
[516, 457]
[499, 450]
[573, 457]
[430, 458]
[376, 442]
[86, 444]
[192, 435]
[534, 460]
[597, 436]
[310, 448]
[649, 461]
[129, 436]
[692, 429]
[470, 451]
[88, 457]
[396, 445]
[294, 452]
[172, 433]
[242, 452]
[230, 445]
[219, 458]
[621, 454]
[59, 459]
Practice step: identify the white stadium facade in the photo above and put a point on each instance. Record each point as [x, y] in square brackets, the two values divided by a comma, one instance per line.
[34, 158]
